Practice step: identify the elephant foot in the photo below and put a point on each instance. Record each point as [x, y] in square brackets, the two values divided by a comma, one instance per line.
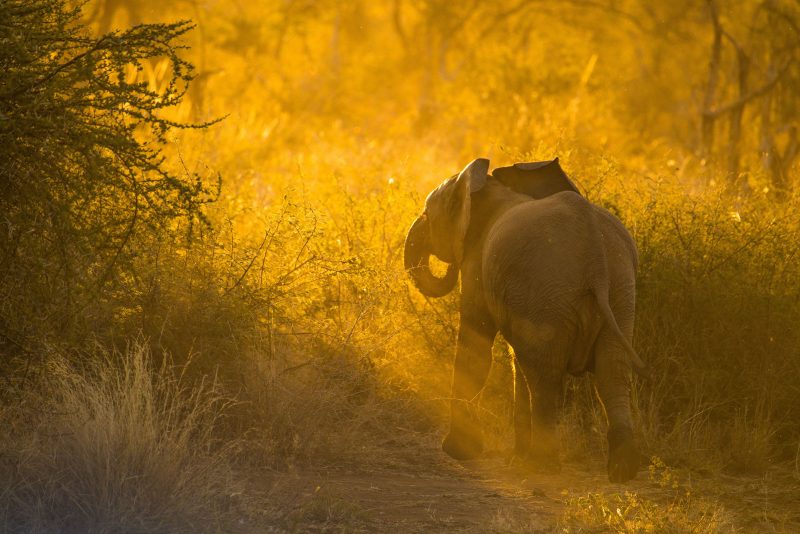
[623, 458]
[462, 446]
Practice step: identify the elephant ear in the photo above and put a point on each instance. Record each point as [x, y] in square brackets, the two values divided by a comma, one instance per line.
[448, 210]
[537, 179]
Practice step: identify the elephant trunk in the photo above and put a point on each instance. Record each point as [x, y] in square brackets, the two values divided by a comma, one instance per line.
[416, 257]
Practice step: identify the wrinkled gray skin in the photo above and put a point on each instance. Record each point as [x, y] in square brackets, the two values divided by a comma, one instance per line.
[555, 275]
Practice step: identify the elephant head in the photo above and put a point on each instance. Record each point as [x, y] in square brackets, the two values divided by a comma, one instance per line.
[441, 230]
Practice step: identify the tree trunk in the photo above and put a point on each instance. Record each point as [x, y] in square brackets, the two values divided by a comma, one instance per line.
[770, 158]
[708, 121]
[738, 183]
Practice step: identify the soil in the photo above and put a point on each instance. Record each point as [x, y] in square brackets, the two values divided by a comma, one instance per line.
[417, 488]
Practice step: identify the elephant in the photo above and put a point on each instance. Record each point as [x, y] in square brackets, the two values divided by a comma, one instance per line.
[555, 275]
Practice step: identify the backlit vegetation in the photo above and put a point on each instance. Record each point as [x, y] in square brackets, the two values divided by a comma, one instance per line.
[201, 229]
[629, 512]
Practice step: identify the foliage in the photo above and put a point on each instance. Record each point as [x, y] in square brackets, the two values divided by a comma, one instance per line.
[81, 163]
[718, 297]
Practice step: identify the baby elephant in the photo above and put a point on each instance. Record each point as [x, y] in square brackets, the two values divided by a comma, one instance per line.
[555, 275]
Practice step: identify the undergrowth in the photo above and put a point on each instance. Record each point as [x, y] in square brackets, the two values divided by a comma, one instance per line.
[676, 510]
[123, 442]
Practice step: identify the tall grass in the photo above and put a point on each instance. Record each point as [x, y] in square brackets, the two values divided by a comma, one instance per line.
[123, 444]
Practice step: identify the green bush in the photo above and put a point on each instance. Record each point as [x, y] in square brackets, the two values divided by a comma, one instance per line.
[82, 169]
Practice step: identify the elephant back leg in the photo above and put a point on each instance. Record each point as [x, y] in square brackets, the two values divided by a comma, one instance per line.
[613, 383]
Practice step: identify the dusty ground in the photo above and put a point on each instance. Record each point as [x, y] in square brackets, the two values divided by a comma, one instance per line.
[422, 490]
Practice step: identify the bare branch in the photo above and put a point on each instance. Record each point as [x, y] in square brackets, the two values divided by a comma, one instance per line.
[760, 91]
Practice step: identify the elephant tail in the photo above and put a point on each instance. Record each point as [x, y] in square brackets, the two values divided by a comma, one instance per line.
[601, 292]
[601, 295]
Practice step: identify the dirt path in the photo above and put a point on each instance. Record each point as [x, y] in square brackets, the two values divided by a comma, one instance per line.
[425, 491]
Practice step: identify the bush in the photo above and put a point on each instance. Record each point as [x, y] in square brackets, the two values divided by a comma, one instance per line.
[83, 173]
[718, 303]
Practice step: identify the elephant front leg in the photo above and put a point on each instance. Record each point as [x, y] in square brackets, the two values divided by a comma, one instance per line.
[464, 441]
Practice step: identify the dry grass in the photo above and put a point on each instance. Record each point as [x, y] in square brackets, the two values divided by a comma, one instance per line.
[675, 510]
[121, 445]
